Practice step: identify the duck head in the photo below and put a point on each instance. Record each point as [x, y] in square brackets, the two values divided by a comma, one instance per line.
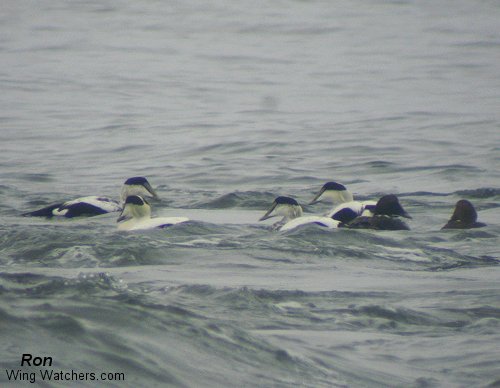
[389, 205]
[286, 207]
[137, 186]
[333, 192]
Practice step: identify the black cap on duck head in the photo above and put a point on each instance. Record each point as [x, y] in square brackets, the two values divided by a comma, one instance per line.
[389, 205]
[136, 180]
[286, 201]
[135, 200]
[464, 212]
[333, 186]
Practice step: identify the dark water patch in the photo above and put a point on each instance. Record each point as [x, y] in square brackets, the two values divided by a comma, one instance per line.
[245, 296]
[452, 262]
[102, 9]
[460, 235]
[426, 382]
[399, 320]
[21, 278]
[195, 289]
[300, 244]
[111, 129]
[396, 316]
[274, 29]
[475, 313]
[238, 59]
[188, 231]
[132, 148]
[100, 333]
[452, 168]
[139, 368]
[380, 164]
[480, 193]
[423, 194]
[6, 190]
[64, 326]
[247, 200]
[46, 244]
[237, 266]
[222, 341]
[40, 286]
[313, 241]
[40, 177]
[265, 309]
[478, 44]
[91, 244]
[235, 149]
[494, 384]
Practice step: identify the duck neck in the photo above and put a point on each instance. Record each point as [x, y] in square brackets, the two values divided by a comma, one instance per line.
[339, 197]
[293, 212]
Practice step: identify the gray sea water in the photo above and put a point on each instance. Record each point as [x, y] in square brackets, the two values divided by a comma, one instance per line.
[223, 106]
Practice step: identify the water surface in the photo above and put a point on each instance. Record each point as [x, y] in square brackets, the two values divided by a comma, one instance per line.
[224, 106]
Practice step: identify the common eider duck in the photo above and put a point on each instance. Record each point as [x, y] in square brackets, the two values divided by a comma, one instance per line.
[96, 205]
[385, 216]
[346, 208]
[293, 217]
[136, 215]
[464, 217]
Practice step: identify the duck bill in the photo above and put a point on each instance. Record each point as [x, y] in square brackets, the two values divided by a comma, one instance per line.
[268, 213]
[316, 198]
[152, 191]
[121, 218]
[406, 215]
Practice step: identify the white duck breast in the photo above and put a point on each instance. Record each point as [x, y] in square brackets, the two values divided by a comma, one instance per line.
[292, 214]
[151, 223]
[136, 215]
[325, 222]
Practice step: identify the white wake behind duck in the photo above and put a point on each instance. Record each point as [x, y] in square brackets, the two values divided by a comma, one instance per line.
[136, 215]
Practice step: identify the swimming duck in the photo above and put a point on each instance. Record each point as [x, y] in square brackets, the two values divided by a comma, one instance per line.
[464, 217]
[384, 216]
[136, 215]
[95, 205]
[293, 217]
[347, 209]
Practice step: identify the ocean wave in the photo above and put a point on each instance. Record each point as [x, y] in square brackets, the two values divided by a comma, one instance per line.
[480, 193]
[84, 312]
[246, 199]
